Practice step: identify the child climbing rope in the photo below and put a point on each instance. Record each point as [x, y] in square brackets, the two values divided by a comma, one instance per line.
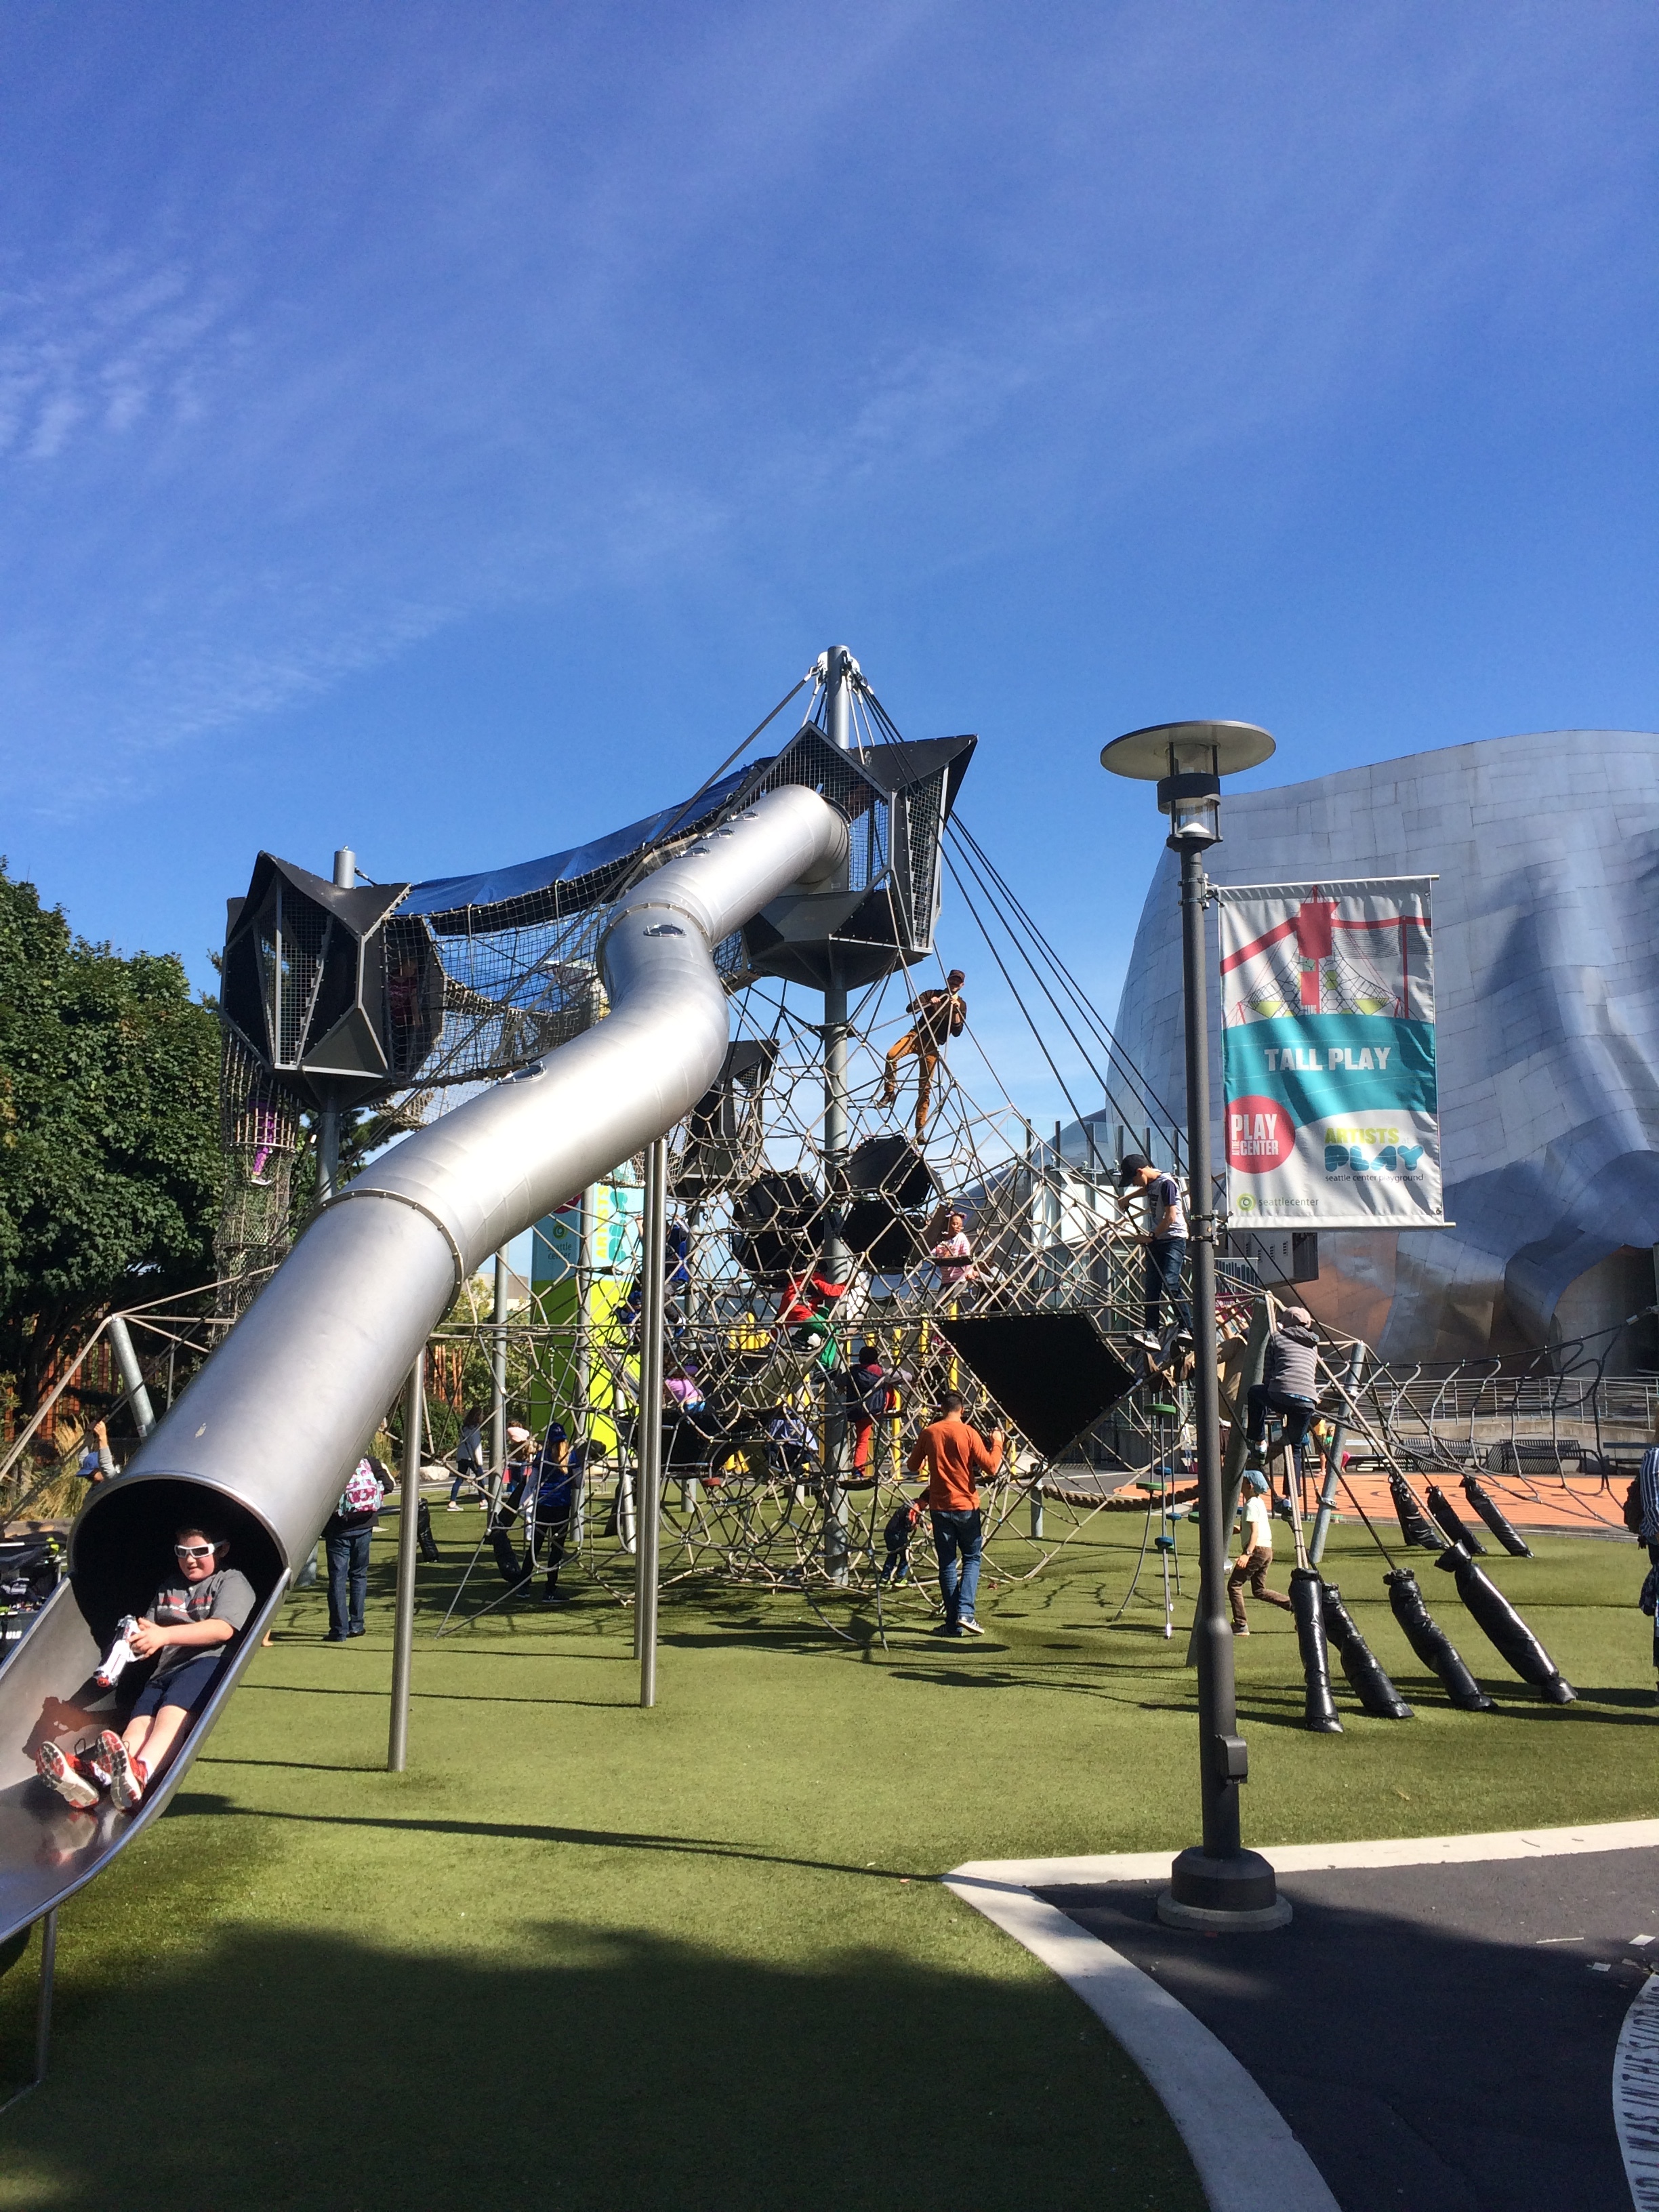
[939, 1016]
[1164, 1242]
[1289, 1386]
[952, 1251]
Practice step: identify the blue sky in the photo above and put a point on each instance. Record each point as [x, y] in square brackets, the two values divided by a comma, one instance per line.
[448, 430]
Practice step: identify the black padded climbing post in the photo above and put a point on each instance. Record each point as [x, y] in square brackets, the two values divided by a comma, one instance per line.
[1431, 1644]
[1415, 1524]
[1492, 1514]
[1364, 1671]
[1504, 1625]
[1306, 1603]
[1445, 1513]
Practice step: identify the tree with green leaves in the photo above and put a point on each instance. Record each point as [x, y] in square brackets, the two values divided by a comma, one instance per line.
[109, 1133]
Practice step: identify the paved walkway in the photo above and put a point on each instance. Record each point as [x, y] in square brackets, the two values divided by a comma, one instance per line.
[1440, 2037]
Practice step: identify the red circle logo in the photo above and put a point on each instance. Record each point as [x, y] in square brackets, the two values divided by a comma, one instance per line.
[1260, 1135]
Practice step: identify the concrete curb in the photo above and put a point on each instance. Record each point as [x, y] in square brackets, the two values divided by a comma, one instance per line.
[1247, 2158]
[1318, 1858]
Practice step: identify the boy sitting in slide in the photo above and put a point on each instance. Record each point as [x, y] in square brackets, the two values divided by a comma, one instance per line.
[186, 1630]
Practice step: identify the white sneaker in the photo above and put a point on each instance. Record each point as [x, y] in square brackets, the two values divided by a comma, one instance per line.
[60, 1773]
[453, 1508]
[970, 1628]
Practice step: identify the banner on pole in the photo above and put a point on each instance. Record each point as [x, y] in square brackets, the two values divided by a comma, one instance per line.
[1328, 1054]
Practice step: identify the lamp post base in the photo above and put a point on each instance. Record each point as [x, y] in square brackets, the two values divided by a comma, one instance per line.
[1239, 1892]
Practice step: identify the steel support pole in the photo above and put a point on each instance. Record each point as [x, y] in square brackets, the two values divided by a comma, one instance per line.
[43, 2003]
[835, 1259]
[498, 1372]
[1220, 1876]
[1350, 1383]
[132, 1375]
[328, 1153]
[409, 1529]
[652, 1285]
[835, 1264]
[1216, 1712]
[586, 1229]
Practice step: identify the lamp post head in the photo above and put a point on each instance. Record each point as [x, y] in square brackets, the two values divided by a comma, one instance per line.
[1187, 761]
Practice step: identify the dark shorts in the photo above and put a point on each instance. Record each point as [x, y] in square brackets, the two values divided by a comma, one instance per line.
[187, 1686]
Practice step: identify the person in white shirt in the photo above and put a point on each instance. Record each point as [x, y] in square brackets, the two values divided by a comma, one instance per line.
[1256, 1555]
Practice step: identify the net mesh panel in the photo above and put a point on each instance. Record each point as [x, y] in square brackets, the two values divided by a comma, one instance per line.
[521, 977]
[259, 1130]
[776, 1441]
[923, 806]
[303, 931]
[475, 991]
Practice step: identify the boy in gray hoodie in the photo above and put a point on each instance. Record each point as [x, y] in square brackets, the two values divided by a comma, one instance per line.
[1289, 1386]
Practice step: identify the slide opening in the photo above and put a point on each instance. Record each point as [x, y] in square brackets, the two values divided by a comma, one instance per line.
[122, 1549]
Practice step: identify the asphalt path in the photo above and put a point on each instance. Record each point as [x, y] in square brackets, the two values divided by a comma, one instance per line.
[1440, 2037]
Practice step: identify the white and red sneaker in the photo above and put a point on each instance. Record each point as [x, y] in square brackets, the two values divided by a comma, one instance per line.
[127, 1775]
[92, 1759]
[60, 1773]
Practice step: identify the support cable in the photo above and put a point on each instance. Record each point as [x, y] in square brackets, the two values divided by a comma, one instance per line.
[1082, 1049]
[1012, 987]
[1091, 1017]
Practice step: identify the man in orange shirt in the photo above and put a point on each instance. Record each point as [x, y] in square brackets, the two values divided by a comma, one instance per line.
[953, 1455]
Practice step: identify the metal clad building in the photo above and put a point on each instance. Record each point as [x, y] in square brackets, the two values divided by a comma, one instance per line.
[1546, 960]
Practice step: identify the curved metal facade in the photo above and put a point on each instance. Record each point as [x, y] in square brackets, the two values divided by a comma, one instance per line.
[1547, 959]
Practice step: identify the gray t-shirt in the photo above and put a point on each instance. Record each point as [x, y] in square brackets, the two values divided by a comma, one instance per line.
[223, 1595]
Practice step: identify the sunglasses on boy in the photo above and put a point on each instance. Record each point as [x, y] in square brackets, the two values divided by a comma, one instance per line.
[194, 1551]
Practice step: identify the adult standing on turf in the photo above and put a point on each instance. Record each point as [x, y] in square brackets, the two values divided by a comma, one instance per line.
[346, 1536]
[1165, 1242]
[504, 1511]
[953, 1454]
[468, 1456]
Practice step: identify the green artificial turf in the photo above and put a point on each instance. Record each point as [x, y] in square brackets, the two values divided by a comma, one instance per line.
[697, 1957]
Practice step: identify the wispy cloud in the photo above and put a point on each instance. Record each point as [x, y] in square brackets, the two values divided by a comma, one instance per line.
[444, 312]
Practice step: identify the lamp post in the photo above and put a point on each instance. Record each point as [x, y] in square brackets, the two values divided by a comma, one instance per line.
[1216, 1883]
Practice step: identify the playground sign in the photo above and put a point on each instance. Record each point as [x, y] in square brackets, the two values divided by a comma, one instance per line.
[1331, 1111]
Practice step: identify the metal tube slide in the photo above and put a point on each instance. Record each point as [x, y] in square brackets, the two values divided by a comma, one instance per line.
[262, 1440]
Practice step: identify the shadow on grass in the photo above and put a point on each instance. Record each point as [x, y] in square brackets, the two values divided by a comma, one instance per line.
[1513, 1701]
[202, 1803]
[437, 1697]
[593, 2070]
